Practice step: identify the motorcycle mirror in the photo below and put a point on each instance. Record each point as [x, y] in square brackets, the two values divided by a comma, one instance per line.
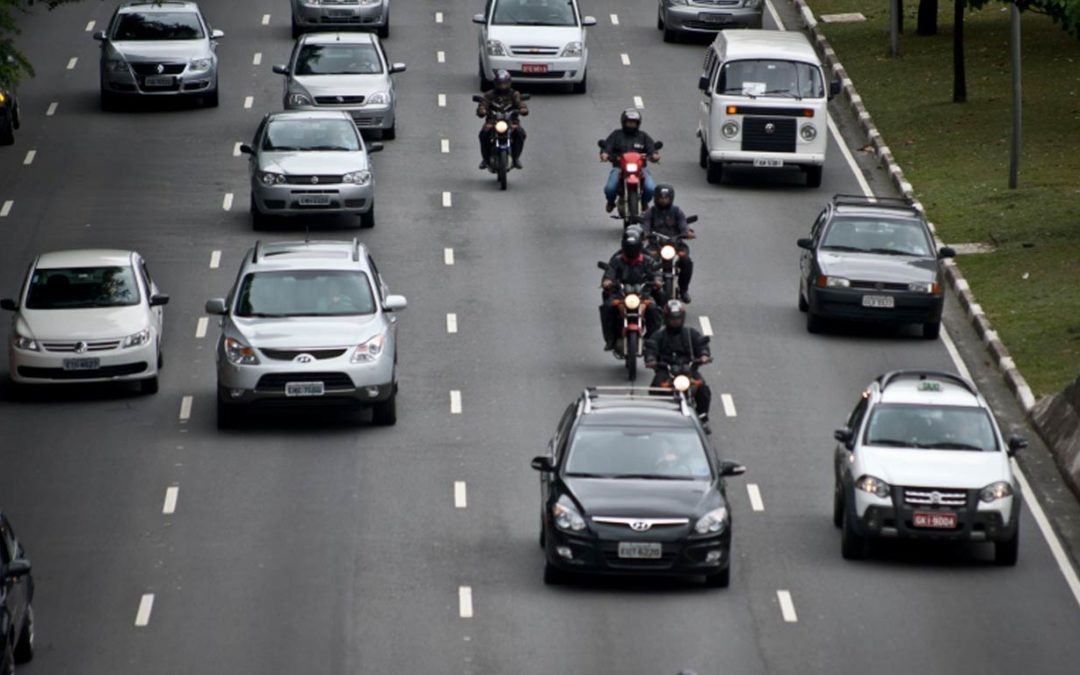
[601, 144]
[478, 98]
[602, 265]
[658, 145]
[690, 220]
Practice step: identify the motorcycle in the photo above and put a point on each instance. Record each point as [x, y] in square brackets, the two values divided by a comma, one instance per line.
[684, 380]
[669, 252]
[505, 120]
[632, 300]
[631, 183]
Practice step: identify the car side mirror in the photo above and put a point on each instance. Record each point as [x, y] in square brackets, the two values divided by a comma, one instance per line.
[397, 68]
[690, 220]
[806, 243]
[479, 18]
[17, 568]
[216, 34]
[843, 435]
[1016, 444]
[216, 306]
[395, 303]
[100, 36]
[542, 463]
[946, 252]
[247, 149]
[602, 265]
[834, 88]
[9, 304]
[731, 469]
[281, 69]
[159, 300]
[659, 145]
[703, 83]
[374, 147]
[588, 21]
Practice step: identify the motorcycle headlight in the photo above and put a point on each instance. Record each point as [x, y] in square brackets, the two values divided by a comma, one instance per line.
[200, 65]
[729, 129]
[366, 352]
[924, 287]
[27, 344]
[299, 98]
[572, 49]
[378, 98]
[269, 178]
[136, 340]
[668, 252]
[833, 282]
[682, 383]
[495, 48]
[116, 66]
[996, 491]
[632, 301]
[239, 353]
[357, 177]
[808, 132]
[567, 517]
[501, 127]
[712, 522]
[632, 167]
[874, 486]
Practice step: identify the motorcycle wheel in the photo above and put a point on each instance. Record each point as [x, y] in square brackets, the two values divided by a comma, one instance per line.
[500, 164]
[633, 204]
[631, 355]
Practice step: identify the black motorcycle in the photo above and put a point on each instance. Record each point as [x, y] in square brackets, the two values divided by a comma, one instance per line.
[667, 249]
[506, 118]
[632, 301]
[683, 378]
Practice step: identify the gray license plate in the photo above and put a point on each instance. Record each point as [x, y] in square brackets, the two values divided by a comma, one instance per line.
[82, 364]
[879, 301]
[639, 550]
[304, 389]
[315, 200]
[714, 18]
[769, 163]
[339, 13]
[159, 81]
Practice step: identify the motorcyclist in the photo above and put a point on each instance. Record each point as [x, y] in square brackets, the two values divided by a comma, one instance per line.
[669, 220]
[630, 265]
[501, 96]
[679, 344]
[628, 138]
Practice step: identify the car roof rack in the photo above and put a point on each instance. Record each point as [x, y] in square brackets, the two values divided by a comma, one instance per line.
[257, 253]
[356, 249]
[632, 393]
[889, 378]
[862, 200]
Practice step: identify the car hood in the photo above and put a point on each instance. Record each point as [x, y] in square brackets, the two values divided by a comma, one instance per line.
[83, 324]
[347, 85]
[536, 36]
[173, 50]
[307, 331]
[632, 498]
[934, 468]
[877, 267]
[313, 162]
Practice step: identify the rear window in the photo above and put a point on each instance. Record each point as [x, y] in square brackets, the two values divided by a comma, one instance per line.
[338, 60]
[931, 427]
[295, 293]
[638, 452]
[158, 26]
[771, 78]
[82, 288]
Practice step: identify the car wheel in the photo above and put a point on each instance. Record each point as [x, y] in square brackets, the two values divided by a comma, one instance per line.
[583, 86]
[367, 220]
[714, 171]
[838, 507]
[259, 220]
[211, 100]
[228, 417]
[384, 31]
[853, 546]
[814, 323]
[7, 660]
[1006, 552]
[931, 331]
[670, 35]
[7, 130]
[109, 101]
[721, 579]
[389, 134]
[804, 306]
[485, 84]
[553, 576]
[24, 648]
[813, 176]
[149, 386]
[703, 156]
[384, 413]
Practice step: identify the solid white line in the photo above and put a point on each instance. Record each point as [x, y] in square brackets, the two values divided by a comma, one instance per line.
[442, 100]
[614, 19]
[438, 17]
[460, 497]
[451, 323]
[90, 25]
[787, 607]
[706, 326]
[444, 145]
[257, 59]
[638, 103]
[446, 201]
[729, 404]
[30, 155]
[863, 185]
[6, 208]
[215, 259]
[248, 102]
[185, 408]
[440, 57]
[146, 605]
[625, 59]
[775, 16]
[201, 326]
[455, 402]
[236, 149]
[465, 602]
[754, 493]
[71, 63]
[171, 493]
[226, 203]
[448, 256]
[266, 20]
[52, 109]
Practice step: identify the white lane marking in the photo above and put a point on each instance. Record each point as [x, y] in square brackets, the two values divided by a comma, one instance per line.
[444, 145]
[6, 208]
[226, 203]
[706, 326]
[257, 59]
[465, 602]
[638, 103]
[448, 256]
[442, 100]
[266, 19]
[614, 19]
[146, 605]
[863, 185]
[787, 607]
[754, 493]
[215, 259]
[201, 326]
[90, 25]
[438, 17]
[52, 109]
[236, 149]
[775, 16]
[248, 102]
[185, 408]
[460, 497]
[71, 62]
[171, 494]
[455, 402]
[451, 323]
[30, 155]
[625, 59]
[729, 404]
[446, 200]
[440, 57]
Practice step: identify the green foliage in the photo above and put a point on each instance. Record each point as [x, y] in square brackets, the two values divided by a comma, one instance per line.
[13, 63]
[1065, 13]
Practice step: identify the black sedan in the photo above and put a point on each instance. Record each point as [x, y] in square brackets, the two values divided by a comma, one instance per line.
[9, 115]
[632, 486]
[16, 594]
[872, 259]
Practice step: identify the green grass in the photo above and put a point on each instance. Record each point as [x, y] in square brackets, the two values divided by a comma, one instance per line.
[957, 156]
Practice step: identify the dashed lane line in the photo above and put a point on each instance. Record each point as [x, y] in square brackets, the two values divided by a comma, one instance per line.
[266, 19]
[248, 102]
[638, 103]
[614, 19]
[257, 59]
[171, 494]
[729, 404]
[448, 256]
[787, 606]
[72, 62]
[201, 326]
[465, 608]
[706, 326]
[444, 145]
[236, 149]
[442, 100]
[146, 605]
[215, 259]
[447, 201]
[455, 402]
[451, 323]
[6, 208]
[52, 109]
[440, 56]
[90, 25]
[438, 17]
[226, 203]
[185, 408]
[754, 493]
[30, 155]
[625, 59]
[460, 495]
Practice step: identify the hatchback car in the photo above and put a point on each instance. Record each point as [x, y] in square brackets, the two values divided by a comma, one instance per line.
[343, 71]
[310, 162]
[340, 14]
[872, 259]
[921, 457]
[536, 41]
[676, 17]
[16, 598]
[9, 115]
[158, 49]
[87, 316]
[307, 323]
[631, 485]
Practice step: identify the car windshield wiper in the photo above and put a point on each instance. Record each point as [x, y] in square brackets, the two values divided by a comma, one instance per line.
[329, 147]
[891, 251]
[838, 247]
[951, 445]
[265, 315]
[585, 474]
[279, 148]
[650, 476]
[892, 443]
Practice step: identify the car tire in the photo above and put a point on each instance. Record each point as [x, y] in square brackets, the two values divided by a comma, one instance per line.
[389, 134]
[838, 507]
[367, 220]
[1007, 552]
[814, 323]
[721, 579]
[485, 84]
[149, 386]
[384, 413]
[24, 648]
[670, 35]
[7, 131]
[804, 306]
[211, 100]
[228, 417]
[703, 156]
[160, 360]
[931, 331]
[714, 171]
[553, 576]
[109, 101]
[7, 660]
[853, 546]
[259, 220]
[813, 176]
[581, 87]
[384, 31]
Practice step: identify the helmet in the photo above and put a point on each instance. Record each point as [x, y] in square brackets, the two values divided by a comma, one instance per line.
[628, 117]
[664, 195]
[674, 314]
[502, 81]
[632, 241]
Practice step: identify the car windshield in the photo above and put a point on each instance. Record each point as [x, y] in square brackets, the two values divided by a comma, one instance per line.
[338, 59]
[293, 293]
[768, 77]
[82, 288]
[158, 26]
[638, 452]
[311, 134]
[534, 13]
[931, 427]
[889, 237]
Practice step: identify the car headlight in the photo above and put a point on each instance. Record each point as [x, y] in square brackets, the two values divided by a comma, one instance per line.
[874, 486]
[632, 301]
[751, 4]
[378, 98]
[357, 177]
[833, 282]
[712, 522]
[299, 98]
[572, 49]
[501, 127]
[924, 287]
[140, 338]
[567, 517]
[668, 252]
[24, 343]
[808, 132]
[239, 353]
[269, 178]
[200, 65]
[729, 129]
[366, 352]
[116, 66]
[495, 48]
[996, 491]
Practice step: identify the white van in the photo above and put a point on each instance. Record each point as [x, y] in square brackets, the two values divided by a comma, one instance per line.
[764, 103]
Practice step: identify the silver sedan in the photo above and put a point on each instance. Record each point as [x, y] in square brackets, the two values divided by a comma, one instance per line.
[340, 14]
[310, 162]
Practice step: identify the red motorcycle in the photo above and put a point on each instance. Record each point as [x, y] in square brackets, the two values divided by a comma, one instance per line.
[631, 183]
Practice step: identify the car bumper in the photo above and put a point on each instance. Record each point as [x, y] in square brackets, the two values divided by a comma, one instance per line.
[560, 69]
[846, 304]
[344, 383]
[194, 84]
[708, 20]
[891, 518]
[593, 554]
[341, 16]
[285, 199]
[365, 117]
[749, 157]
[137, 363]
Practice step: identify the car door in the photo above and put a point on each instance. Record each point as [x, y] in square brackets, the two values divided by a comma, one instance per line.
[808, 259]
[555, 450]
[16, 593]
[712, 63]
[151, 288]
[842, 456]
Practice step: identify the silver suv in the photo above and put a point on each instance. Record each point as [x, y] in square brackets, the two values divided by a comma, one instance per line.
[307, 323]
[921, 457]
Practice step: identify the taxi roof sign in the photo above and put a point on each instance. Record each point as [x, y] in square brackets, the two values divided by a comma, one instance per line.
[929, 385]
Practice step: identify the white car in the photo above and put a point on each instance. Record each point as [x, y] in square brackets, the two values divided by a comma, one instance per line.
[536, 41]
[921, 457]
[87, 316]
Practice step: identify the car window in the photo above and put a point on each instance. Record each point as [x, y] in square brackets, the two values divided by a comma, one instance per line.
[338, 59]
[870, 235]
[534, 13]
[770, 77]
[639, 453]
[294, 293]
[82, 288]
[856, 418]
[158, 26]
[937, 427]
[561, 431]
[311, 134]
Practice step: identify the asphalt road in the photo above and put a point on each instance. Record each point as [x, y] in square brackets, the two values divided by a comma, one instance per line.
[314, 545]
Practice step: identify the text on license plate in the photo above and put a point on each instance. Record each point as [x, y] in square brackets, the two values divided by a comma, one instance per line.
[339, 13]
[534, 68]
[880, 301]
[936, 520]
[713, 18]
[159, 80]
[304, 389]
[640, 550]
[82, 364]
[315, 200]
[769, 163]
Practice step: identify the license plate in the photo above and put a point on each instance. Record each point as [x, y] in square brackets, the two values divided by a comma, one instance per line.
[304, 389]
[82, 364]
[879, 301]
[713, 18]
[769, 163]
[935, 520]
[159, 81]
[534, 68]
[315, 200]
[640, 550]
[339, 13]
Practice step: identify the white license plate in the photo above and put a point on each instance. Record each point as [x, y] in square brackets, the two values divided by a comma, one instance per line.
[339, 13]
[638, 550]
[159, 81]
[82, 364]
[713, 18]
[769, 163]
[879, 301]
[304, 389]
[315, 200]
[935, 520]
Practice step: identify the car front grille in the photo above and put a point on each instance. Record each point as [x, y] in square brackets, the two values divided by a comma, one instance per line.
[313, 180]
[144, 69]
[341, 2]
[91, 346]
[339, 100]
[878, 286]
[768, 134]
[97, 373]
[549, 75]
[532, 50]
[935, 497]
[717, 3]
[275, 383]
[290, 354]
[367, 121]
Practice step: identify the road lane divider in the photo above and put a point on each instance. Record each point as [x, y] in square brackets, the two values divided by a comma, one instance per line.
[257, 59]
[638, 103]
[215, 259]
[52, 109]
[442, 100]
[451, 323]
[614, 19]
[226, 203]
[146, 605]
[248, 102]
[787, 606]
[706, 326]
[438, 17]
[236, 149]
[455, 402]
[201, 327]
[625, 59]
[185, 408]
[72, 62]
[440, 56]
[444, 145]
[448, 256]
[90, 25]
[447, 201]
[5, 209]
[465, 608]
[30, 155]
[460, 496]
[729, 404]
[266, 19]
[754, 493]
[172, 493]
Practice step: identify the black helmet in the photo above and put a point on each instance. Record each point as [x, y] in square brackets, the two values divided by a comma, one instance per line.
[664, 195]
[630, 115]
[502, 81]
[674, 314]
[632, 241]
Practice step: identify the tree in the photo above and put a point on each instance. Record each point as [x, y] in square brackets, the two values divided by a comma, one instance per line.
[1065, 13]
[927, 21]
[13, 63]
[959, 81]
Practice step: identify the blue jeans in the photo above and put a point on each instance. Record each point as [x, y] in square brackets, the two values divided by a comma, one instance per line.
[612, 186]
